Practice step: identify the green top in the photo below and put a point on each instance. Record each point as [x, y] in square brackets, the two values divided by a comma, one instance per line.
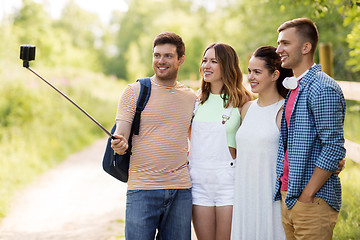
[212, 111]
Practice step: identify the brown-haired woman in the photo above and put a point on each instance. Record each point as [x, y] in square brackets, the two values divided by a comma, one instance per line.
[212, 150]
[255, 215]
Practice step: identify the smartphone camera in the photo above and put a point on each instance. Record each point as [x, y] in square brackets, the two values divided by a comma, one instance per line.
[27, 53]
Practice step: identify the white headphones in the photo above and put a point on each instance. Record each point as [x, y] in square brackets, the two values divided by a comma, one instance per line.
[290, 82]
[293, 82]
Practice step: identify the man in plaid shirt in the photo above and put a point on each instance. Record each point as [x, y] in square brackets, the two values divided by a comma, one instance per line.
[311, 140]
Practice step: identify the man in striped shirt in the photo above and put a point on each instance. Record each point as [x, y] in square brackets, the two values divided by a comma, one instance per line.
[311, 140]
[159, 186]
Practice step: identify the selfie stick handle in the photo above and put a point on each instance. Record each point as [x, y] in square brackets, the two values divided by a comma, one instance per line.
[88, 115]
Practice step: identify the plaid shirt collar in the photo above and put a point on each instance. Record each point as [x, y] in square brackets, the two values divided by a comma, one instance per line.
[309, 75]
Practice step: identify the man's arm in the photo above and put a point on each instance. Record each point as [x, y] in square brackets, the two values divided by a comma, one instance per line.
[328, 109]
[329, 116]
[317, 180]
[125, 112]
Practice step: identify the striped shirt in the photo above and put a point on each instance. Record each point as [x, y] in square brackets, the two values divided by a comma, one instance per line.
[314, 138]
[159, 152]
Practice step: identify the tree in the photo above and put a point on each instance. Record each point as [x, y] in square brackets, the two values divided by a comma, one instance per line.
[32, 25]
[80, 24]
[259, 21]
[352, 18]
[82, 30]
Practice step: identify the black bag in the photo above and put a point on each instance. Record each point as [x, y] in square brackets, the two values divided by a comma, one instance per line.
[118, 165]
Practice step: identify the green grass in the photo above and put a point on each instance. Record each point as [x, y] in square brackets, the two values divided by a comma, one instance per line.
[348, 225]
[39, 128]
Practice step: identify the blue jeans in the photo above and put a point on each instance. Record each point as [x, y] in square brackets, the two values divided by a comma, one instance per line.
[167, 211]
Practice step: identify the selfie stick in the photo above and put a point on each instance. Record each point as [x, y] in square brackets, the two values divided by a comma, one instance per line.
[27, 53]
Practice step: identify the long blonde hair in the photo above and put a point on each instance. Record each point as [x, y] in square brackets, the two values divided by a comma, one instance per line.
[233, 92]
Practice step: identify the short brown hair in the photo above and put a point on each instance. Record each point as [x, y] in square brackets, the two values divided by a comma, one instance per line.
[306, 29]
[171, 38]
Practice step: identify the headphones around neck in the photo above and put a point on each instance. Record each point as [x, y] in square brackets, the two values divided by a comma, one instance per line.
[290, 82]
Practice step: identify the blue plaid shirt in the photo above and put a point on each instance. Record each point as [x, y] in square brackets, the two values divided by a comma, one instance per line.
[314, 138]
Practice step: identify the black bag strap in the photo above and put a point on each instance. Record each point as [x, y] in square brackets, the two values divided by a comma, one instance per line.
[144, 95]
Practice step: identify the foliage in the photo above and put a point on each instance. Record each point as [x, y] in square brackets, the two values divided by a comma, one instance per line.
[232, 22]
[348, 224]
[123, 47]
[352, 18]
[80, 29]
[69, 41]
[325, 14]
[39, 128]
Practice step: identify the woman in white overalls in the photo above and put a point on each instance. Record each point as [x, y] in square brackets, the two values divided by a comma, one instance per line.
[212, 148]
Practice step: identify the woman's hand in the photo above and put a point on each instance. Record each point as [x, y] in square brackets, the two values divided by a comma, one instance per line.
[341, 166]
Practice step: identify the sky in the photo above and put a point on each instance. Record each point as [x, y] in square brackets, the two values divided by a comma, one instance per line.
[103, 7]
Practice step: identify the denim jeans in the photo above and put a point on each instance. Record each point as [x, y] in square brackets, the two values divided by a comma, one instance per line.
[167, 211]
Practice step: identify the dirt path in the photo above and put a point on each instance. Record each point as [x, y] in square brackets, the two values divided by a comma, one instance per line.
[75, 200]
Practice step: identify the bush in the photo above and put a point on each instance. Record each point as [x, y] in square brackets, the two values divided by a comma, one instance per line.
[39, 128]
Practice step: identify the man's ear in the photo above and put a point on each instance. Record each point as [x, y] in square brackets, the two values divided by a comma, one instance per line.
[306, 48]
[182, 60]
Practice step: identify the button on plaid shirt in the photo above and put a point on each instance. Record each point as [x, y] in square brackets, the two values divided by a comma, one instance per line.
[314, 138]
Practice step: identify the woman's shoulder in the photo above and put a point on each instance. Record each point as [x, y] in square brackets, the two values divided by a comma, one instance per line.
[243, 110]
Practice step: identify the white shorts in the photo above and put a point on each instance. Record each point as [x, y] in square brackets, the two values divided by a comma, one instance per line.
[213, 187]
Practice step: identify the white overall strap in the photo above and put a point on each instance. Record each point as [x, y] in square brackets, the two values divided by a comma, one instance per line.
[227, 114]
[197, 103]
